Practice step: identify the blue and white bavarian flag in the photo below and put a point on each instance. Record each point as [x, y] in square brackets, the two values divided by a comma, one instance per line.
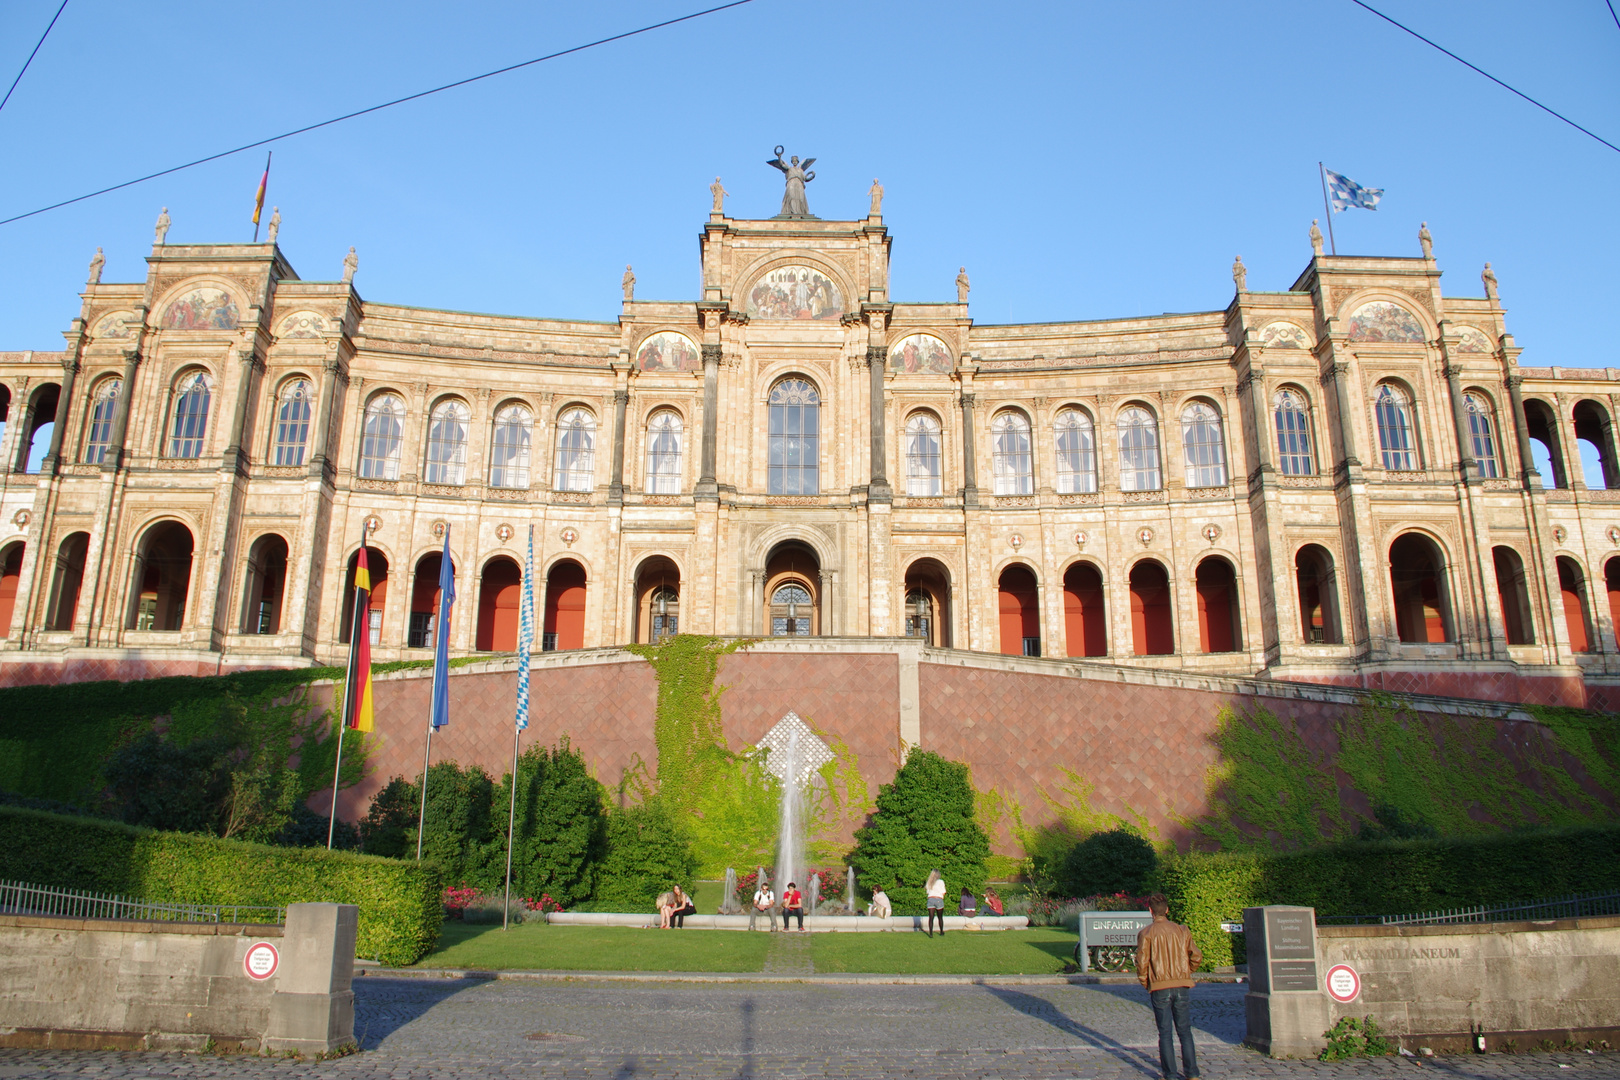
[525, 635]
[440, 714]
[1346, 193]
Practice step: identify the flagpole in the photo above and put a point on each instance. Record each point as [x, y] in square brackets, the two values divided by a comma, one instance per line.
[343, 721]
[1321, 171]
[525, 643]
[511, 824]
[441, 616]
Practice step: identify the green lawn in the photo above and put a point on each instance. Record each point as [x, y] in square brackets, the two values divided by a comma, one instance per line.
[621, 948]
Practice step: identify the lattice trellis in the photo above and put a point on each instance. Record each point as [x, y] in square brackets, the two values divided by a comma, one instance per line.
[813, 753]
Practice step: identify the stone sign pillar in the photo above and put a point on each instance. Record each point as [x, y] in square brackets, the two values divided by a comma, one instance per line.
[312, 1010]
[1286, 1010]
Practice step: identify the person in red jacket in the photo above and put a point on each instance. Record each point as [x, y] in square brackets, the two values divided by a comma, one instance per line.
[1165, 959]
[792, 904]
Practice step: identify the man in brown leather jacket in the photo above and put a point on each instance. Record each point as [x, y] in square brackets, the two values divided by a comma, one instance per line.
[1165, 959]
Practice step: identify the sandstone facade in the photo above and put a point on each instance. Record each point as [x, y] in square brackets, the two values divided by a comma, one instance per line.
[1332, 483]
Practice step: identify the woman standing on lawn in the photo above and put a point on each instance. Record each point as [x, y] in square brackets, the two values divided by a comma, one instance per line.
[936, 902]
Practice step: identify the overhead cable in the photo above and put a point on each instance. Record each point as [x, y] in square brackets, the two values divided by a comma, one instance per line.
[1475, 67]
[375, 108]
[31, 55]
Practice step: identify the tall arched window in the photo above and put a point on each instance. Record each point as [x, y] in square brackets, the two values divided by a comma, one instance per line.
[384, 430]
[447, 443]
[919, 615]
[576, 451]
[1138, 451]
[101, 421]
[664, 453]
[292, 423]
[1010, 458]
[1481, 435]
[190, 426]
[1076, 452]
[922, 455]
[1395, 442]
[509, 457]
[1293, 434]
[1205, 449]
[794, 461]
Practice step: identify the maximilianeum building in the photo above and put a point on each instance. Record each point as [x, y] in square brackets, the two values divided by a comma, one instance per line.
[1333, 483]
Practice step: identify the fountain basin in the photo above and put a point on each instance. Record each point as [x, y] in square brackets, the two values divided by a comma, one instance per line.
[816, 923]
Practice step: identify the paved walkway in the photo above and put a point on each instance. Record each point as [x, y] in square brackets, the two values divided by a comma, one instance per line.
[462, 1028]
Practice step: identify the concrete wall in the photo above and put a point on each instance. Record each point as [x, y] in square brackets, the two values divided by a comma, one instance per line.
[1525, 981]
[97, 983]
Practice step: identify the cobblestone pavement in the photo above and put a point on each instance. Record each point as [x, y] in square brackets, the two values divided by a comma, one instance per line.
[455, 1028]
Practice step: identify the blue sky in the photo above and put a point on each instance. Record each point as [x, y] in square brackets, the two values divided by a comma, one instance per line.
[1083, 160]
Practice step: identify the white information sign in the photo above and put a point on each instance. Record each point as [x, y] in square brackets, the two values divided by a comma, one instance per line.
[1343, 984]
[261, 961]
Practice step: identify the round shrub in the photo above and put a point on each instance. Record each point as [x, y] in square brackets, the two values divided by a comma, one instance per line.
[1109, 862]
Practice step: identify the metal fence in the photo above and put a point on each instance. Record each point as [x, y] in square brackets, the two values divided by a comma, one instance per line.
[20, 898]
[1576, 906]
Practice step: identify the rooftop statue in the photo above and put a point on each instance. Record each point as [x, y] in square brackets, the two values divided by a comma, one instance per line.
[719, 192]
[1316, 237]
[876, 193]
[351, 263]
[275, 225]
[1426, 240]
[628, 282]
[96, 263]
[161, 229]
[962, 285]
[1240, 274]
[794, 204]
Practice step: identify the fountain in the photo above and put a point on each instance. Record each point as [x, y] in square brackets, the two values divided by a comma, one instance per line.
[729, 904]
[790, 830]
[849, 890]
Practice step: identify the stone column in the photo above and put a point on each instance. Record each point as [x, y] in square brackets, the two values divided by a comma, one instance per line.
[320, 452]
[50, 466]
[621, 399]
[879, 490]
[234, 458]
[829, 611]
[1521, 428]
[1339, 373]
[1255, 383]
[1459, 416]
[116, 451]
[970, 471]
[708, 487]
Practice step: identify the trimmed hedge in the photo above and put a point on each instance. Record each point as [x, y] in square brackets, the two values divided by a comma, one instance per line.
[1393, 877]
[400, 902]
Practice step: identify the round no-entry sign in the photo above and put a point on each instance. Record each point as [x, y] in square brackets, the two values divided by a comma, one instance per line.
[1343, 984]
[261, 961]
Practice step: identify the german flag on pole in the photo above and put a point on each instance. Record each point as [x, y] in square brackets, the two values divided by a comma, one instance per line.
[359, 675]
[258, 201]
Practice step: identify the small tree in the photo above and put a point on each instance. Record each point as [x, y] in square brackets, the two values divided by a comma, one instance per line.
[924, 822]
[560, 830]
[1116, 861]
[457, 832]
[645, 856]
[389, 827]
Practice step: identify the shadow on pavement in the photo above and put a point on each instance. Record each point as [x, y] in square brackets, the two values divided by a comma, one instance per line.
[1201, 1024]
[1045, 1011]
[382, 1006]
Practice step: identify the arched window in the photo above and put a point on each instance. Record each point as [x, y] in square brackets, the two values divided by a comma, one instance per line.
[576, 451]
[384, 430]
[1076, 452]
[1395, 440]
[1138, 451]
[190, 416]
[101, 421]
[1206, 450]
[664, 453]
[292, 423]
[1293, 434]
[790, 611]
[509, 458]
[1010, 458]
[919, 615]
[447, 443]
[1481, 435]
[664, 610]
[922, 455]
[794, 446]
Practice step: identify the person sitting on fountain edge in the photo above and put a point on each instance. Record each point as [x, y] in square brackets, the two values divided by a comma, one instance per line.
[681, 908]
[880, 908]
[764, 901]
[936, 902]
[792, 904]
[966, 906]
